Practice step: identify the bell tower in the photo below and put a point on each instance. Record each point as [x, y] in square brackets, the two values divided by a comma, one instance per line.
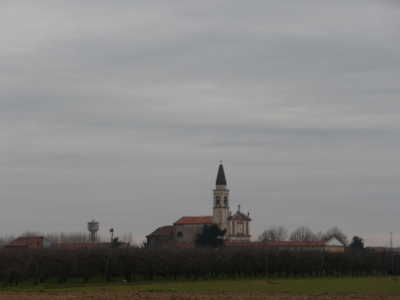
[221, 200]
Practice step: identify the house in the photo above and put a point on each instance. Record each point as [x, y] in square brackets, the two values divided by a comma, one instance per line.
[331, 245]
[29, 242]
[162, 235]
[184, 230]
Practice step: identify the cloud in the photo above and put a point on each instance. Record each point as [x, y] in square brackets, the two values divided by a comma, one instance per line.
[122, 111]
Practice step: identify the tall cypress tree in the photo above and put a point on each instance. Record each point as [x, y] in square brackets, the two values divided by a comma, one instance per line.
[211, 236]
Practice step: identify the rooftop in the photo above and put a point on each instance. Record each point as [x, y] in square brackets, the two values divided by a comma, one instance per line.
[277, 244]
[163, 231]
[195, 220]
[24, 241]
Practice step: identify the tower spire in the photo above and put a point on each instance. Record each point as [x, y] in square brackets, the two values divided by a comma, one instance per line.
[221, 180]
[221, 201]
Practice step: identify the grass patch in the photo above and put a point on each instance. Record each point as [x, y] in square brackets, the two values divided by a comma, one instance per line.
[316, 285]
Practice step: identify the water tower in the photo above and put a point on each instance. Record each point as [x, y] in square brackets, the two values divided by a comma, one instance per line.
[93, 227]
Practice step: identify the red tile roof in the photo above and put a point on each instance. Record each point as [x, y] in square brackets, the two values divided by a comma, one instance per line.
[25, 241]
[261, 244]
[195, 220]
[163, 231]
[243, 244]
[277, 244]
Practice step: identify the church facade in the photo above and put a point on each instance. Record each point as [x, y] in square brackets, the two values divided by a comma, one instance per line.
[184, 230]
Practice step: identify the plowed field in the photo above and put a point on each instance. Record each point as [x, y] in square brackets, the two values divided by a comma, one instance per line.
[185, 296]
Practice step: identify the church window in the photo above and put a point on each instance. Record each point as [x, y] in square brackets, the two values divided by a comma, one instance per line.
[218, 201]
[225, 201]
[179, 234]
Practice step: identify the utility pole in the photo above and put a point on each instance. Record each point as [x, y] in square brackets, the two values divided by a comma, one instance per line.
[112, 234]
[266, 257]
[391, 253]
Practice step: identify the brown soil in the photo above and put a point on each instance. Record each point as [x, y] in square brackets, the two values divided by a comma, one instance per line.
[186, 296]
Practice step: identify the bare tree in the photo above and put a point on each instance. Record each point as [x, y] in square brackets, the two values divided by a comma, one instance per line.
[274, 233]
[143, 244]
[319, 236]
[337, 233]
[127, 238]
[4, 240]
[31, 233]
[73, 237]
[302, 234]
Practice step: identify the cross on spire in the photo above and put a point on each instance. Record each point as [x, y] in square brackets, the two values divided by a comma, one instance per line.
[239, 208]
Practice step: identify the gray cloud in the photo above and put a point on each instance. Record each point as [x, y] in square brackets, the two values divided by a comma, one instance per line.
[122, 111]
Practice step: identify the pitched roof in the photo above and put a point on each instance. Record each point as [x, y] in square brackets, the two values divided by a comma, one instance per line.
[261, 244]
[221, 180]
[195, 220]
[24, 241]
[239, 215]
[162, 231]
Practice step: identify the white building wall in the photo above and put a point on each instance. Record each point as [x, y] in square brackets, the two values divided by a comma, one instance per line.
[46, 243]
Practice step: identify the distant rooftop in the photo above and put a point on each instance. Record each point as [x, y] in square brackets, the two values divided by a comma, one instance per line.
[25, 241]
[195, 220]
[163, 231]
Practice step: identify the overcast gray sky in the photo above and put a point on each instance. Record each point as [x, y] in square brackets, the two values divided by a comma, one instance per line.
[120, 111]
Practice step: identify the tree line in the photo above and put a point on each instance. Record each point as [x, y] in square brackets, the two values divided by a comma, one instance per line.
[302, 233]
[62, 237]
[178, 262]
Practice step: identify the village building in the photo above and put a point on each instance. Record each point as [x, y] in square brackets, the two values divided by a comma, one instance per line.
[185, 229]
[160, 236]
[29, 242]
[183, 232]
[331, 245]
[39, 242]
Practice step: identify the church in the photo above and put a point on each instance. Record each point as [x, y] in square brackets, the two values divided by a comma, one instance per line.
[184, 230]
